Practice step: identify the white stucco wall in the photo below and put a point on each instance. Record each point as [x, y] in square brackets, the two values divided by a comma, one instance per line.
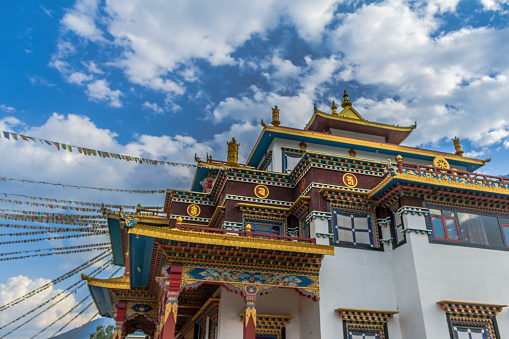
[283, 302]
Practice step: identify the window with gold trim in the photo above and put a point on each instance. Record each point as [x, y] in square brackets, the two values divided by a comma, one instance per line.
[471, 320]
[365, 324]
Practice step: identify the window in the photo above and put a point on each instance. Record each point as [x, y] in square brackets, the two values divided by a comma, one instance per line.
[352, 229]
[362, 335]
[365, 324]
[290, 159]
[264, 227]
[469, 228]
[469, 333]
[397, 229]
[471, 320]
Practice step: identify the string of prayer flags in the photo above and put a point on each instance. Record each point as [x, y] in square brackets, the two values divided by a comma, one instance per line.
[67, 248]
[80, 284]
[87, 187]
[92, 152]
[63, 277]
[50, 238]
[36, 204]
[56, 253]
[50, 219]
[54, 215]
[55, 229]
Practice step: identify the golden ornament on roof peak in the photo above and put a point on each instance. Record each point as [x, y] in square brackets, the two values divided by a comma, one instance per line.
[346, 102]
[334, 108]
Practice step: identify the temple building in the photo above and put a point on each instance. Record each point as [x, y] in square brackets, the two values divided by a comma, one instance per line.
[331, 231]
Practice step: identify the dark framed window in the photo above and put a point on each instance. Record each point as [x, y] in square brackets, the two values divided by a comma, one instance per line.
[469, 333]
[290, 159]
[352, 229]
[363, 335]
[469, 228]
[397, 230]
[445, 225]
[261, 226]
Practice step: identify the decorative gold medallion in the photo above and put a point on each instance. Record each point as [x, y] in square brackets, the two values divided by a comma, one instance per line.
[440, 162]
[302, 185]
[350, 180]
[261, 191]
[193, 210]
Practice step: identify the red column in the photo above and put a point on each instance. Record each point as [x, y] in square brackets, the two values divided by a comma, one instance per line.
[250, 318]
[169, 318]
[119, 320]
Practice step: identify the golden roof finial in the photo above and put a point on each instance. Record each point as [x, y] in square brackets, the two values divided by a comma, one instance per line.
[179, 220]
[457, 146]
[346, 102]
[248, 227]
[334, 108]
[232, 158]
[275, 116]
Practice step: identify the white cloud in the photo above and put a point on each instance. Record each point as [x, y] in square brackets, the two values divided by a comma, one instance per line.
[154, 107]
[440, 80]
[493, 5]
[81, 20]
[20, 285]
[78, 78]
[99, 90]
[7, 109]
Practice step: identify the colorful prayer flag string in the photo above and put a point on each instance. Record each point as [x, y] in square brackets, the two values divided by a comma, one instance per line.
[60, 201]
[86, 187]
[90, 151]
[103, 244]
[51, 238]
[55, 229]
[63, 277]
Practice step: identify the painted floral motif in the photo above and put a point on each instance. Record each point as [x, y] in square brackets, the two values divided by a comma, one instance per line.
[266, 278]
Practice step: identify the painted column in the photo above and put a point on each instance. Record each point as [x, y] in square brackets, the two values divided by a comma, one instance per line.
[172, 286]
[250, 317]
[170, 315]
[119, 320]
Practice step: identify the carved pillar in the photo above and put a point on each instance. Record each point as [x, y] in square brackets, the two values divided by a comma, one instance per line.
[119, 320]
[172, 288]
[170, 315]
[250, 317]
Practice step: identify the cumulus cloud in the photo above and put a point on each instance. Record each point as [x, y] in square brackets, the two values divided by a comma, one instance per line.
[18, 286]
[81, 20]
[100, 90]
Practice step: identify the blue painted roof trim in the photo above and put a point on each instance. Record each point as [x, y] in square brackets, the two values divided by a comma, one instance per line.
[102, 300]
[140, 259]
[268, 137]
[116, 241]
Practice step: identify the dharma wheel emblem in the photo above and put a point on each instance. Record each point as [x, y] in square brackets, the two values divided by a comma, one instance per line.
[440, 162]
[193, 210]
[261, 191]
[350, 180]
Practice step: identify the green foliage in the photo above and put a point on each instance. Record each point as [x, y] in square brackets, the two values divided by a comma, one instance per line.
[103, 333]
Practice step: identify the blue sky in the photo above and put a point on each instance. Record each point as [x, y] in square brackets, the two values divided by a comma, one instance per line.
[167, 79]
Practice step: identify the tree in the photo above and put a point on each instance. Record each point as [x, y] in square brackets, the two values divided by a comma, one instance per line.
[103, 333]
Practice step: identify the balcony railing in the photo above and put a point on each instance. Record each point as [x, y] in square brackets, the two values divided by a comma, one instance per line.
[432, 172]
[248, 234]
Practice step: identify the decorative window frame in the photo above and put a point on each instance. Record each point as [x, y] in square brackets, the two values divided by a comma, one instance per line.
[292, 153]
[270, 325]
[394, 228]
[374, 227]
[472, 315]
[365, 321]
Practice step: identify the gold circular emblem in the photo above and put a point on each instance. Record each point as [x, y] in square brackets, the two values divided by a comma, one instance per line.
[350, 180]
[440, 162]
[261, 191]
[193, 210]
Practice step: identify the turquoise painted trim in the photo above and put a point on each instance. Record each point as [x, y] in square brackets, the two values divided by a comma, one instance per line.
[116, 241]
[268, 137]
[140, 256]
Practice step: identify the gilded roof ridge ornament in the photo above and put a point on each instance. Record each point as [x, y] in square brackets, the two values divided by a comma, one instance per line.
[232, 158]
[457, 146]
[275, 117]
[264, 124]
[346, 102]
[334, 108]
